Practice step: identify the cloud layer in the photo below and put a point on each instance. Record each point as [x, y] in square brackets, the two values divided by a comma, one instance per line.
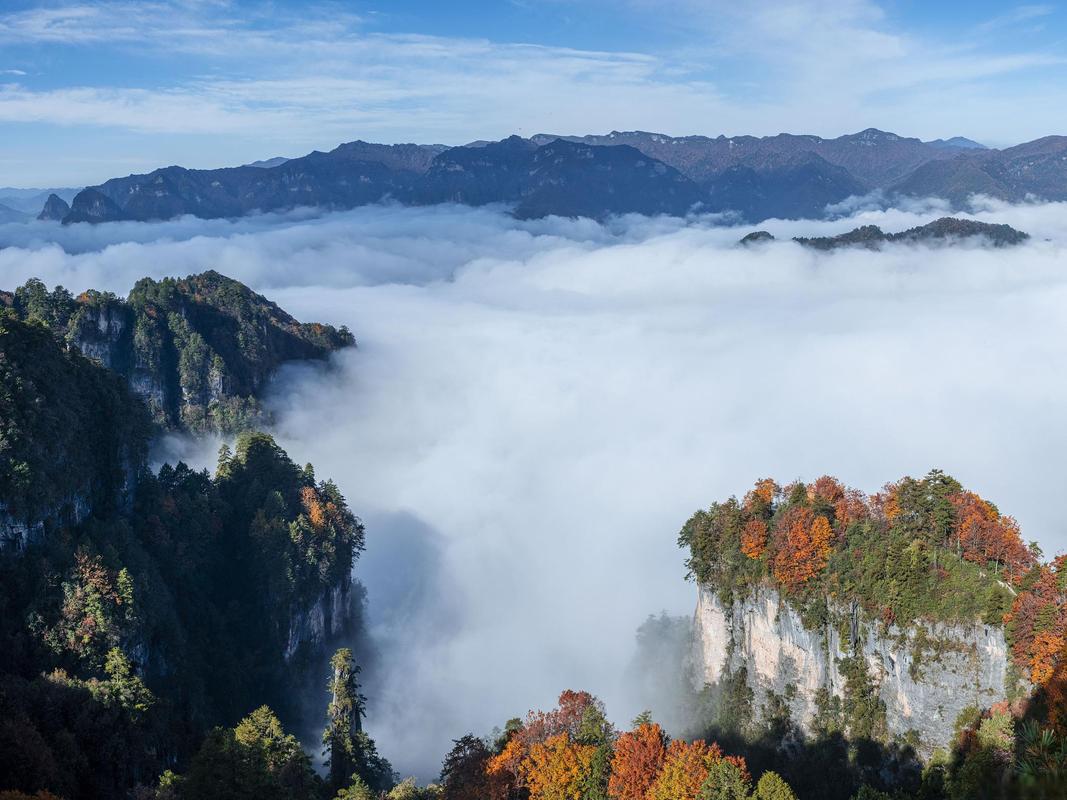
[536, 408]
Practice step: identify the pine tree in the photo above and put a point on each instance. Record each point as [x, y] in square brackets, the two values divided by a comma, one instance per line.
[344, 718]
[351, 752]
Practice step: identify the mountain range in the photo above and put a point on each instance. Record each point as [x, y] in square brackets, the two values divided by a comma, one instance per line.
[752, 178]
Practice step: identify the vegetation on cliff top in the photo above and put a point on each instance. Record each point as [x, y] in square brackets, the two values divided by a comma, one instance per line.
[920, 550]
[199, 350]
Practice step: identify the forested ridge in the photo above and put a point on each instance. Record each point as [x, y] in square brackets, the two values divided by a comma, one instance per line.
[161, 605]
[198, 350]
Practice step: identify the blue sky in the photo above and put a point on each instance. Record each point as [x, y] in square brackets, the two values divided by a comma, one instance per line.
[92, 90]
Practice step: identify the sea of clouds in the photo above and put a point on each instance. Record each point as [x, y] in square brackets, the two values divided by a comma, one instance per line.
[535, 408]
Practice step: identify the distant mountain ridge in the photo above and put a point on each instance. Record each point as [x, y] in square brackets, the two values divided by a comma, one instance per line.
[753, 178]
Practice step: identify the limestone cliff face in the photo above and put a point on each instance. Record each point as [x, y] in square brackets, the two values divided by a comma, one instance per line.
[327, 616]
[926, 675]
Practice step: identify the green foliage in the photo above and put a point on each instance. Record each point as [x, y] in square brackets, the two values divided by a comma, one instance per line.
[863, 710]
[256, 760]
[350, 750]
[408, 789]
[173, 617]
[771, 787]
[595, 730]
[725, 781]
[71, 437]
[870, 793]
[357, 789]
[735, 705]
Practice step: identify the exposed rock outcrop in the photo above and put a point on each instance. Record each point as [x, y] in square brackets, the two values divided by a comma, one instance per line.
[328, 616]
[925, 675]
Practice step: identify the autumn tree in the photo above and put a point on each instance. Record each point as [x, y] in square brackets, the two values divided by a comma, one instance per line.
[760, 499]
[639, 756]
[1037, 622]
[985, 537]
[801, 546]
[557, 768]
[754, 538]
[685, 768]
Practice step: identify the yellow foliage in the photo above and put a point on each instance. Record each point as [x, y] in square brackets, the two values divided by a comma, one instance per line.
[557, 769]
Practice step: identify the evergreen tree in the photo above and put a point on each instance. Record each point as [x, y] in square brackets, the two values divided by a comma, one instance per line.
[351, 752]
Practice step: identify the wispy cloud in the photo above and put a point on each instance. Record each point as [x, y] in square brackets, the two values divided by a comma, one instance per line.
[1016, 16]
[321, 76]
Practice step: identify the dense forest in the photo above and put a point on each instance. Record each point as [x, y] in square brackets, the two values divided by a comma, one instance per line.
[147, 609]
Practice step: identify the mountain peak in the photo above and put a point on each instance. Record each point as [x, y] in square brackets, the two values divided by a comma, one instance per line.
[55, 208]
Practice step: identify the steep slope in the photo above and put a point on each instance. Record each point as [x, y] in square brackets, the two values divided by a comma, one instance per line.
[924, 676]
[55, 209]
[198, 350]
[352, 174]
[798, 186]
[1035, 170]
[8, 214]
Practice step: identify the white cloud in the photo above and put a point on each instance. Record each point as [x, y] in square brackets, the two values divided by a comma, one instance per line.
[537, 407]
[322, 77]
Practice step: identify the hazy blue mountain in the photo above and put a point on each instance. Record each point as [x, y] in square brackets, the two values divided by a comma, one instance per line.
[1034, 169]
[755, 178]
[8, 214]
[958, 143]
[55, 209]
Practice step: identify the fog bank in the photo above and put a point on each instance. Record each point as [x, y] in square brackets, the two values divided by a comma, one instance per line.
[536, 408]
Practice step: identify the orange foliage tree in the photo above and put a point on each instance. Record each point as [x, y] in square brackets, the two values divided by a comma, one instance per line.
[984, 536]
[760, 499]
[557, 769]
[1038, 620]
[509, 769]
[801, 546]
[504, 769]
[754, 538]
[685, 768]
[639, 756]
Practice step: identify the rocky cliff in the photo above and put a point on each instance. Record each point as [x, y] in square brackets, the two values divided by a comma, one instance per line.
[924, 675]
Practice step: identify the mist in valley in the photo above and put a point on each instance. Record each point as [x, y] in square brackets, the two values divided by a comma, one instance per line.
[535, 408]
